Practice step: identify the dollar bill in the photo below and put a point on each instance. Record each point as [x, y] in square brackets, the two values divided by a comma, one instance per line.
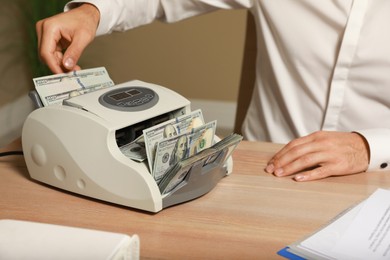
[214, 156]
[54, 89]
[175, 176]
[135, 150]
[167, 129]
[229, 143]
[171, 150]
[202, 138]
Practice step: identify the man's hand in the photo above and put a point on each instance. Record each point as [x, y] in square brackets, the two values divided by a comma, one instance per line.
[71, 32]
[320, 155]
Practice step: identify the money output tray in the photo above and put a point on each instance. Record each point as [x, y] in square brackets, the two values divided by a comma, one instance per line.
[75, 146]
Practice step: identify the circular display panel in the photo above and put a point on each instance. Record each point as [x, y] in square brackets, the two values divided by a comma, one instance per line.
[129, 99]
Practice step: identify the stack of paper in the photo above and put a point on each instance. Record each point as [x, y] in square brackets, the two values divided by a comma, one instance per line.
[362, 232]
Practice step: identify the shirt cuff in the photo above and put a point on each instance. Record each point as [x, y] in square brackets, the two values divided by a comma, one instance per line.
[121, 15]
[379, 143]
[106, 9]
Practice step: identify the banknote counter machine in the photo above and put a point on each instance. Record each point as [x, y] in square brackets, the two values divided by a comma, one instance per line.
[75, 146]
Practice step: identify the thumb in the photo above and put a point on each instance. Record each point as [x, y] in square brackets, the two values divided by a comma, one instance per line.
[73, 52]
[69, 63]
[70, 58]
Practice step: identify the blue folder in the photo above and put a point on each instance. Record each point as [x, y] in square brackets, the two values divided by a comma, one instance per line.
[287, 254]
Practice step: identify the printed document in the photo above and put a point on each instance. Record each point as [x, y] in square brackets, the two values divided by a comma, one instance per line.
[368, 236]
[362, 232]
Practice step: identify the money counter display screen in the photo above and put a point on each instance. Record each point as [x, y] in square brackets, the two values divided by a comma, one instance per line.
[125, 94]
[129, 99]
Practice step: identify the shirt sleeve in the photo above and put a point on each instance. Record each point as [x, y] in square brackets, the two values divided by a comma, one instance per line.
[121, 15]
[379, 144]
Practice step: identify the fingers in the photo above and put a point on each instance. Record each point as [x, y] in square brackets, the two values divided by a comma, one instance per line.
[74, 50]
[62, 38]
[290, 153]
[49, 47]
[320, 155]
[289, 165]
[307, 160]
[314, 174]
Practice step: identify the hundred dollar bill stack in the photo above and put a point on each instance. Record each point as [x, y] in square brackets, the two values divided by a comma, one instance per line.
[171, 150]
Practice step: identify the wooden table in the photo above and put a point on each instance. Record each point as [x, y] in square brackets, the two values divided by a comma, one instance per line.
[249, 215]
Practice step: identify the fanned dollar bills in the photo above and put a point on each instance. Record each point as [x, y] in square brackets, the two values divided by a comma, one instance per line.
[168, 129]
[171, 150]
[54, 89]
[216, 154]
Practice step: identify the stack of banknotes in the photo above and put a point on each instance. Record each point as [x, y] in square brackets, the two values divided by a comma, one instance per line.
[175, 175]
[169, 148]
[165, 144]
[53, 89]
[172, 147]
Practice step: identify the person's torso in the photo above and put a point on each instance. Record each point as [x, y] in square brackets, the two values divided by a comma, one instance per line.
[321, 65]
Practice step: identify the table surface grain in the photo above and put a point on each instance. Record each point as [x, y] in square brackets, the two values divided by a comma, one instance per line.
[249, 214]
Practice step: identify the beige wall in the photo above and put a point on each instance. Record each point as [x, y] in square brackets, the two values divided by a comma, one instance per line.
[200, 57]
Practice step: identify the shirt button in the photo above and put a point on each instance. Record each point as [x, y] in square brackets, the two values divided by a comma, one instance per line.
[383, 165]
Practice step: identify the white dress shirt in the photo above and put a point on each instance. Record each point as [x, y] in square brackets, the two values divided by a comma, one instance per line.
[321, 64]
